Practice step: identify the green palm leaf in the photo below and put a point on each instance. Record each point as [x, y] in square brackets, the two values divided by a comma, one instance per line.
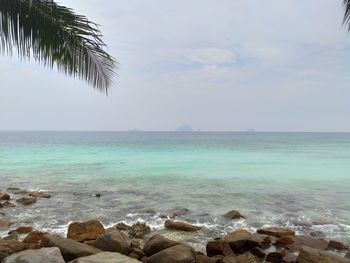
[56, 36]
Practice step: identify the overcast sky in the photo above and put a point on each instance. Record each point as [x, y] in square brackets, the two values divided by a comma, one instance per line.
[272, 65]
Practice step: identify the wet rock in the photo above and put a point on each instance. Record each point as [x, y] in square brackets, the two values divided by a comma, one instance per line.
[98, 195]
[106, 257]
[229, 259]
[206, 259]
[26, 201]
[40, 194]
[289, 258]
[138, 252]
[238, 240]
[8, 247]
[70, 249]
[278, 232]
[258, 240]
[234, 214]
[175, 254]
[114, 241]
[34, 237]
[158, 243]
[218, 247]
[311, 255]
[176, 225]
[5, 196]
[245, 259]
[82, 231]
[122, 226]
[275, 257]
[5, 224]
[139, 230]
[336, 245]
[7, 204]
[24, 230]
[47, 255]
[258, 252]
[294, 243]
[13, 235]
[180, 212]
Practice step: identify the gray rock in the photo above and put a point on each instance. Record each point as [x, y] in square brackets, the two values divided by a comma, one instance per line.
[158, 243]
[114, 241]
[310, 255]
[175, 254]
[106, 257]
[70, 249]
[47, 255]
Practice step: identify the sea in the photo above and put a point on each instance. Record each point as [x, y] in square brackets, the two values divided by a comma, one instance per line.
[295, 180]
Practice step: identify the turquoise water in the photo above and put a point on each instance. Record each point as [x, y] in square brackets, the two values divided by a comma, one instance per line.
[299, 180]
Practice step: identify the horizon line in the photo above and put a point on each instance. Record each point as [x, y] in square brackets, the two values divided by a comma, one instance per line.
[174, 131]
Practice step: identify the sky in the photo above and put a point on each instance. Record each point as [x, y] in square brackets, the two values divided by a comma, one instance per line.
[217, 65]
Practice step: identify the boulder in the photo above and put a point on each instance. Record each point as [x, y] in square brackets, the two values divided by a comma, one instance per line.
[40, 194]
[294, 243]
[26, 201]
[258, 240]
[234, 214]
[139, 230]
[238, 240]
[258, 252]
[8, 247]
[47, 255]
[175, 254]
[34, 237]
[176, 225]
[158, 243]
[137, 252]
[275, 257]
[278, 232]
[114, 241]
[5, 196]
[206, 259]
[245, 259]
[218, 247]
[82, 231]
[5, 224]
[24, 229]
[20, 192]
[70, 249]
[122, 226]
[289, 258]
[7, 204]
[229, 259]
[105, 257]
[336, 245]
[311, 255]
[12, 235]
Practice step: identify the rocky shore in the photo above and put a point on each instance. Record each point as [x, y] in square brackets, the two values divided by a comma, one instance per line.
[89, 241]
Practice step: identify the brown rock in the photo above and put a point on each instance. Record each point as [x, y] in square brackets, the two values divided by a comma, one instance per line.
[5, 196]
[40, 194]
[229, 259]
[206, 259]
[175, 254]
[245, 259]
[294, 243]
[158, 243]
[176, 225]
[289, 258]
[122, 226]
[82, 231]
[275, 257]
[34, 237]
[139, 252]
[347, 255]
[70, 249]
[218, 247]
[336, 245]
[258, 240]
[7, 204]
[234, 214]
[260, 253]
[276, 232]
[26, 201]
[311, 255]
[139, 230]
[8, 247]
[24, 230]
[5, 224]
[114, 241]
[238, 240]
[12, 235]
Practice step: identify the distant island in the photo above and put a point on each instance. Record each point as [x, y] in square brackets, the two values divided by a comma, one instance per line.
[184, 128]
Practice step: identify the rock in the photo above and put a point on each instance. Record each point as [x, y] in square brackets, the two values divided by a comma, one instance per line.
[234, 214]
[176, 254]
[158, 243]
[229, 259]
[137, 251]
[289, 258]
[245, 259]
[47, 255]
[206, 259]
[7, 204]
[13, 235]
[311, 255]
[34, 237]
[258, 252]
[336, 245]
[12, 189]
[70, 249]
[347, 255]
[218, 247]
[180, 212]
[114, 241]
[24, 230]
[176, 225]
[40, 194]
[5, 224]
[98, 195]
[275, 257]
[20, 192]
[82, 231]
[2, 213]
[238, 240]
[139, 230]
[122, 226]
[8, 247]
[258, 240]
[26, 201]
[106, 257]
[278, 232]
[294, 243]
[5, 196]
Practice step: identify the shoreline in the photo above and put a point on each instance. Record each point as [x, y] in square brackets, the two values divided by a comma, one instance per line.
[274, 244]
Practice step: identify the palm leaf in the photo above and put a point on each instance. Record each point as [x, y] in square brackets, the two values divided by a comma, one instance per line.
[346, 19]
[55, 35]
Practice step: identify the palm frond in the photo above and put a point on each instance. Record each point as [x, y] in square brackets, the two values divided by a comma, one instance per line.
[346, 19]
[55, 35]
